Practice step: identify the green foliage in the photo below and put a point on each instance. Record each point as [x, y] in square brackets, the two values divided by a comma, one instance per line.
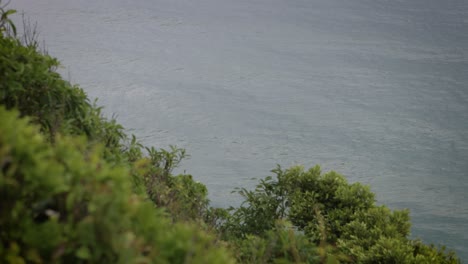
[281, 244]
[260, 210]
[31, 85]
[341, 218]
[5, 22]
[299, 195]
[184, 198]
[76, 189]
[80, 190]
[65, 203]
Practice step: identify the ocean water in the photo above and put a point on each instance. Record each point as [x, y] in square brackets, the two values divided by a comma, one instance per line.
[374, 89]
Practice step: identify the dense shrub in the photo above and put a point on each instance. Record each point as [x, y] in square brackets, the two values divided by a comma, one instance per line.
[65, 203]
[330, 211]
[281, 244]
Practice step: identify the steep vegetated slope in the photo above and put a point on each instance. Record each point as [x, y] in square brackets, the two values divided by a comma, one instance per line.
[75, 188]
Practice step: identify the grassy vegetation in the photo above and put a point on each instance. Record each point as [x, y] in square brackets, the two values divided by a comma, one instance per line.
[76, 189]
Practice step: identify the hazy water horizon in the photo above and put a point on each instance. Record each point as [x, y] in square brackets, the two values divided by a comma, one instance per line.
[376, 90]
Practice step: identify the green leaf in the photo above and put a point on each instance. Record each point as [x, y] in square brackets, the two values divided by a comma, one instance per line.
[10, 12]
[83, 253]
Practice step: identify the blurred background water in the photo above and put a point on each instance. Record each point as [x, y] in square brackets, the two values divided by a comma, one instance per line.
[374, 89]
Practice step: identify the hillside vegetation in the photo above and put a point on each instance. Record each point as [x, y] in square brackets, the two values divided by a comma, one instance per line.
[75, 188]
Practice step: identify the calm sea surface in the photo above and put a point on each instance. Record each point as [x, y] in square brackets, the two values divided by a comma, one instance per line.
[374, 89]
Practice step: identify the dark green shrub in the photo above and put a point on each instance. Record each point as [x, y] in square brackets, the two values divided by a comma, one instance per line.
[281, 244]
[337, 216]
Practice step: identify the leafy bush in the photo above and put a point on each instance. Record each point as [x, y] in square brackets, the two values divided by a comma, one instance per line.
[281, 244]
[65, 203]
[330, 211]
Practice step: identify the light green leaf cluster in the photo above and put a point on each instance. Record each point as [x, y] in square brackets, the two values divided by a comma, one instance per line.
[64, 202]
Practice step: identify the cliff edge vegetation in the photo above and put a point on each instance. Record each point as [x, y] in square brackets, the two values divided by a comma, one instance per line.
[75, 188]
